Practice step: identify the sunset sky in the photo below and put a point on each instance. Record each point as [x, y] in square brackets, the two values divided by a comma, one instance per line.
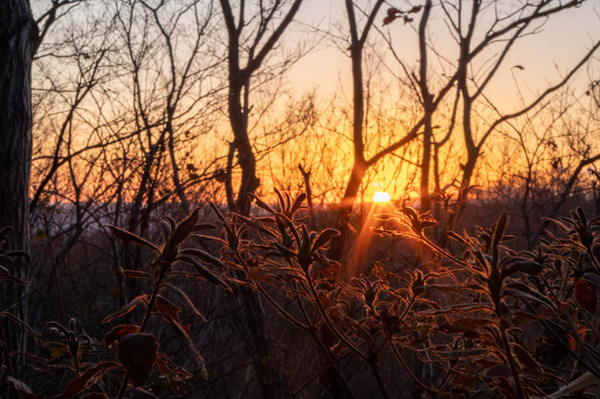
[563, 39]
[533, 64]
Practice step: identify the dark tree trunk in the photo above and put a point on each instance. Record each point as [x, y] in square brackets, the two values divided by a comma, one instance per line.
[428, 109]
[360, 165]
[339, 243]
[18, 40]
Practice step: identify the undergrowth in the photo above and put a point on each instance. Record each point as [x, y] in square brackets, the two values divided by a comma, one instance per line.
[472, 318]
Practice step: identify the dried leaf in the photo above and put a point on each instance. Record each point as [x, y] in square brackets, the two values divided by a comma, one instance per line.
[284, 251]
[203, 256]
[217, 212]
[119, 331]
[186, 300]
[129, 237]
[298, 203]
[523, 266]
[520, 290]
[10, 277]
[464, 324]
[586, 296]
[166, 307]
[525, 360]
[88, 378]
[137, 352]
[185, 227]
[392, 14]
[261, 203]
[184, 334]
[17, 320]
[324, 237]
[142, 299]
[283, 204]
[204, 226]
[205, 273]
[136, 273]
[5, 233]
[171, 371]
[583, 381]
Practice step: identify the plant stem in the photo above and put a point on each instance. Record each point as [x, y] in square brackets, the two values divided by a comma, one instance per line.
[375, 369]
[147, 315]
[511, 362]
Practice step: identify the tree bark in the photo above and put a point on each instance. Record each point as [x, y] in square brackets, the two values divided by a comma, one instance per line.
[18, 41]
[428, 110]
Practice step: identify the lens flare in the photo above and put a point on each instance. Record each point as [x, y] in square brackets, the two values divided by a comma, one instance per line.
[381, 196]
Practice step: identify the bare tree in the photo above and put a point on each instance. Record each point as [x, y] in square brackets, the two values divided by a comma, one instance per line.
[358, 41]
[503, 31]
[251, 38]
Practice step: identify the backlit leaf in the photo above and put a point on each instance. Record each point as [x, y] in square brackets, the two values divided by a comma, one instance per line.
[128, 237]
[89, 377]
[324, 237]
[119, 331]
[586, 295]
[142, 299]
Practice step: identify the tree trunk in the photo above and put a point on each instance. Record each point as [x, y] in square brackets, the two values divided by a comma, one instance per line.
[338, 243]
[18, 40]
[18, 37]
[428, 110]
[238, 118]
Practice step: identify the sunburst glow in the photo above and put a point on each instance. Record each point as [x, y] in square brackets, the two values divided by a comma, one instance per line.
[381, 196]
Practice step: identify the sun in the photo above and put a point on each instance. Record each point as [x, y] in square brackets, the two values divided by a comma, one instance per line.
[381, 196]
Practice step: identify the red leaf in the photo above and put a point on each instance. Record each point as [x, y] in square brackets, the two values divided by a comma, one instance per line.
[166, 307]
[586, 295]
[137, 352]
[183, 332]
[119, 331]
[523, 357]
[86, 379]
[136, 273]
[171, 371]
[572, 340]
[10, 277]
[127, 308]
